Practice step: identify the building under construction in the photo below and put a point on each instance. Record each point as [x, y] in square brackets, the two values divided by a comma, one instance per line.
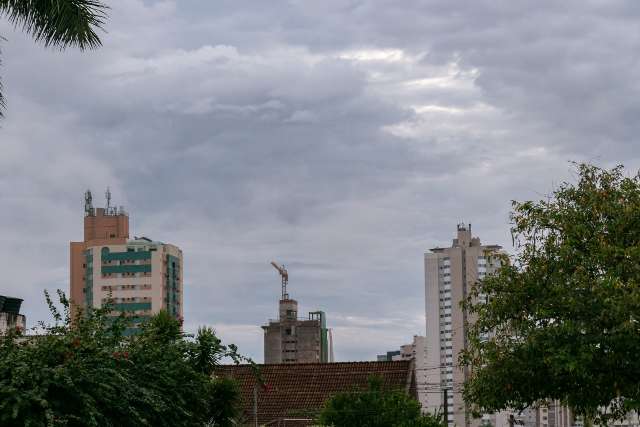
[290, 339]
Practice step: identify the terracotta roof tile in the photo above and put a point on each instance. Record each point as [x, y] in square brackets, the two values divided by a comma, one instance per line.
[301, 389]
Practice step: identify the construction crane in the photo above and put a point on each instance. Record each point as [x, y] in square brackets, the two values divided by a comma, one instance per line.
[285, 278]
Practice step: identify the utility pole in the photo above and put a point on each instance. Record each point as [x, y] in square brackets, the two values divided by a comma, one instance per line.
[255, 405]
[445, 402]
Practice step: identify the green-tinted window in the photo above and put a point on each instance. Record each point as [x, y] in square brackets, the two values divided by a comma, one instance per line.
[133, 268]
[132, 306]
[126, 256]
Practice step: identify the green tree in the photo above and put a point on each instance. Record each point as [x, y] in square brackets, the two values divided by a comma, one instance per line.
[56, 23]
[562, 319]
[375, 407]
[87, 373]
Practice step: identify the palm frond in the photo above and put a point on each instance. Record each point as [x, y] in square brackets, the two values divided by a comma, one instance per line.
[2, 100]
[58, 23]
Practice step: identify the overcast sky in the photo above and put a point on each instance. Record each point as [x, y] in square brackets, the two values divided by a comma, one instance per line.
[341, 138]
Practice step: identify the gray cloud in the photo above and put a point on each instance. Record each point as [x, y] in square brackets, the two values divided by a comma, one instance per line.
[343, 138]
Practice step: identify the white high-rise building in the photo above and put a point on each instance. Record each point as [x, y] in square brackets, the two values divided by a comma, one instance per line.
[449, 275]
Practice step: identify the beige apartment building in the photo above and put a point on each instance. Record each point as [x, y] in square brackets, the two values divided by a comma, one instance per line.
[449, 274]
[139, 275]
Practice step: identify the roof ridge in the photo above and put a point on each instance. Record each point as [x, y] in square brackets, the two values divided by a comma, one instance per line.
[359, 362]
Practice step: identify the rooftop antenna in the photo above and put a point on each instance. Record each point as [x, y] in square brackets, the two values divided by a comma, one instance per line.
[107, 195]
[285, 279]
[88, 203]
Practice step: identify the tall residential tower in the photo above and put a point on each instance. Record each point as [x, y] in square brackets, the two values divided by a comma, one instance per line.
[140, 276]
[449, 275]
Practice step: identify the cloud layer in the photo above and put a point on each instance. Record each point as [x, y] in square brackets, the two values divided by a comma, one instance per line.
[342, 138]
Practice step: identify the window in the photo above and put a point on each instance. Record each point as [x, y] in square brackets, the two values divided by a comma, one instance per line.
[112, 235]
[287, 331]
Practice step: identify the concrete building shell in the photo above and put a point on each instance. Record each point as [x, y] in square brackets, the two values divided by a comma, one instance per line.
[290, 339]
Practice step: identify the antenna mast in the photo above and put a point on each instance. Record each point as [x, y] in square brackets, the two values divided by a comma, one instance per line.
[88, 203]
[285, 279]
[107, 195]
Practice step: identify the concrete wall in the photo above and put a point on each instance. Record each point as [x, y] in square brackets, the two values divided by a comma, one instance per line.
[272, 343]
[11, 321]
[292, 341]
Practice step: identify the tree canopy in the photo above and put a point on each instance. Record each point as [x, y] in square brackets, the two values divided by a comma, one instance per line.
[88, 373]
[375, 407]
[57, 23]
[562, 318]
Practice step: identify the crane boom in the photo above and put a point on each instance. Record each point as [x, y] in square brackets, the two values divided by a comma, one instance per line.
[285, 278]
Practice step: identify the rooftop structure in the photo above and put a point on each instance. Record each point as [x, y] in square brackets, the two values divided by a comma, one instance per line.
[10, 317]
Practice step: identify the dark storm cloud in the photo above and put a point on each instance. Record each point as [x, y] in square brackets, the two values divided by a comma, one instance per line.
[343, 138]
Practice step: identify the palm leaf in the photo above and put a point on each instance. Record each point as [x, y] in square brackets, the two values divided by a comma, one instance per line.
[58, 23]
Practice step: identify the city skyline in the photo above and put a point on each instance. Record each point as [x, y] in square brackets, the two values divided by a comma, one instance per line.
[328, 136]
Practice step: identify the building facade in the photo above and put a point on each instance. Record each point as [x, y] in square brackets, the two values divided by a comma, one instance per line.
[449, 275]
[551, 414]
[139, 276]
[290, 339]
[10, 317]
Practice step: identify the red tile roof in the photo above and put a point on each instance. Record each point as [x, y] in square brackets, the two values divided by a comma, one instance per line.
[300, 390]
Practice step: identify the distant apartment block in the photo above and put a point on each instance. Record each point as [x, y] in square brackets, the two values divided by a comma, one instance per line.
[140, 276]
[449, 274]
[416, 352]
[389, 356]
[10, 317]
[553, 415]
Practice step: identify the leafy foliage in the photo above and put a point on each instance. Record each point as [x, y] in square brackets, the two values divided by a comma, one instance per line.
[375, 408]
[562, 320]
[57, 23]
[87, 373]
